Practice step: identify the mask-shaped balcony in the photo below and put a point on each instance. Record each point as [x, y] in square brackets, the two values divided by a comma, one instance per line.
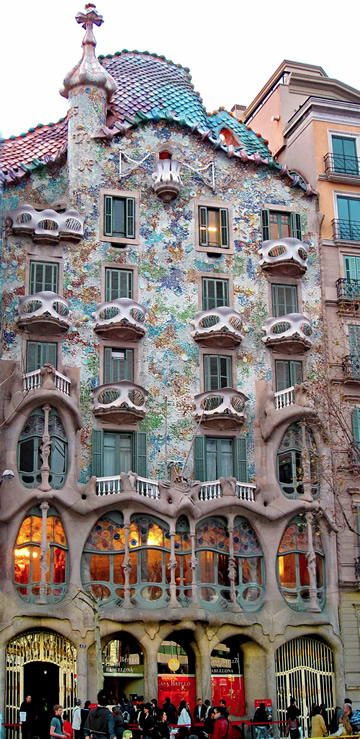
[121, 319]
[224, 408]
[284, 257]
[46, 225]
[220, 327]
[167, 180]
[119, 402]
[289, 333]
[44, 312]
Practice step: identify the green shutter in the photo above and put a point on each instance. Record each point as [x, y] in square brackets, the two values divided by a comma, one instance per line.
[356, 424]
[31, 356]
[295, 226]
[224, 228]
[296, 377]
[240, 459]
[107, 365]
[139, 453]
[108, 207]
[97, 453]
[39, 353]
[203, 226]
[43, 276]
[50, 354]
[130, 218]
[199, 459]
[265, 224]
[281, 374]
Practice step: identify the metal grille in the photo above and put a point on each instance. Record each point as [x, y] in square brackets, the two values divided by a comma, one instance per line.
[305, 670]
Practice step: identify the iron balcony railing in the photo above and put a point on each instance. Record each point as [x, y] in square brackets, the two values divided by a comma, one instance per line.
[341, 164]
[346, 230]
[351, 366]
[348, 289]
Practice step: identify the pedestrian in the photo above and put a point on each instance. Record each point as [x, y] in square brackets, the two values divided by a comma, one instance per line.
[199, 712]
[155, 710]
[57, 725]
[84, 714]
[261, 720]
[344, 727]
[318, 727]
[163, 728]
[27, 718]
[221, 724]
[223, 706]
[76, 719]
[209, 722]
[184, 720]
[100, 721]
[67, 725]
[292, 714]
[170, 711]
[207, 705]
[118, 722]
[146, 721]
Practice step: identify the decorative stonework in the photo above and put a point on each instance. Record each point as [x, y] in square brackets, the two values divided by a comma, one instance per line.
[225, 408]
[290, 332]
[217, 327]
[46, 225]
[120, 402]
[287, 257]
[121, 319]
[45, 311]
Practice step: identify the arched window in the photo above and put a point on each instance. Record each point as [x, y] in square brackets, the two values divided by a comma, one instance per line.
[212, 552]
[27, 570]
[250, 570]
[290, 463]
[149, 544]
[183, 573]
[102, 560]
[29, 449]
[293, 572]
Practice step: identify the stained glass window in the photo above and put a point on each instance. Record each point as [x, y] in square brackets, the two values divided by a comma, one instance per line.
[29, 449]
[103, 557]
[293, 570]
[250, 571]
[290, 462]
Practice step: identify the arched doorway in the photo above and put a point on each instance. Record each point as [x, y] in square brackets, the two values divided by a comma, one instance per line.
[227, 676]
[176, 669]
[41, 664]
[305, 670]
[123, 666]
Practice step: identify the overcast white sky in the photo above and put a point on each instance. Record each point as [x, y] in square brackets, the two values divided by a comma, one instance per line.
[232, 47]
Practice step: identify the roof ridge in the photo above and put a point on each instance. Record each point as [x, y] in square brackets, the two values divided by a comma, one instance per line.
[32, 129]
[146, 53]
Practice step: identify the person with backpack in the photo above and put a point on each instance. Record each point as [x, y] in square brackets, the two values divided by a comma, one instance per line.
[100, 721]
[292, 714]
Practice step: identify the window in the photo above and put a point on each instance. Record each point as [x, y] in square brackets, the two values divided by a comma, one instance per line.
[215, 293]
[217, 372]
[118, 365]
[29, 449]
[290, 462]
[354, 344]
[349, 218]
[118, 284]
[118, 217]
[212, 553]
[293, 573]
[249, 560]
[39, 353]
[213, 226]
[183, 572]
[287, 374]
[113, 453]
[149, 543]
[345, 155]
[279, 225]
[352, 277]
[103, 557]
[44, 276]
[220, 457]
[27, 572]
[284, 299]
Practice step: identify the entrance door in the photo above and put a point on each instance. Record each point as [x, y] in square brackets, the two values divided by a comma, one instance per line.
[41, 681]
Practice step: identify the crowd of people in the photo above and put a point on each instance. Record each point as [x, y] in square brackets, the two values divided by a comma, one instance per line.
[343, 721]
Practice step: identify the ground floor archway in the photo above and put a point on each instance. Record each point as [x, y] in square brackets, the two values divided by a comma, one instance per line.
[123, 667]
[176, 669]
[227, 676]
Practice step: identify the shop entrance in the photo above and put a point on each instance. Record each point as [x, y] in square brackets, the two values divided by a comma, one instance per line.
[227, 676]
[41, 681]
[123, 666]
[176, 670]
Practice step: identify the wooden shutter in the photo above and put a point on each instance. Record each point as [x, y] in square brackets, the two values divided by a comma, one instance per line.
[282, 374]
[130, 218]
[108, 375]
[108, 215]
[265, 224]
[354, 340]
[203, 226]
[240, 459]
[39, 353]
[296, 376]
[224, 227]
[199, 459]
[139, 453]
[50, 354]
[98, 453]
[31, 356]
[356, 425]
[295, 226]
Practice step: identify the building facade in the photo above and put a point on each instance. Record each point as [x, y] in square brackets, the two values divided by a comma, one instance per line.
[313, 123]
[161, 311]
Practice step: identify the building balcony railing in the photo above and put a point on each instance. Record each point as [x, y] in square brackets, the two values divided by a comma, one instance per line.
[122, 319]
[217, 327]
[290, 332]
[284, 257]
[225, 408]
[46, 225]
[346, 230]
[347, 290]
[120, 402]
[113, 486]
[212, 490]
[284, 398]
[341, 164]
[34, 380]
[351, 367]
[36, 312]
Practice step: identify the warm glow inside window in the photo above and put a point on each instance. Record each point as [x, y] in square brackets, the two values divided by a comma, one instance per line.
[293, 571]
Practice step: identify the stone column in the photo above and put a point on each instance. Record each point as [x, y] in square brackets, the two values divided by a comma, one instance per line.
[127, 568]
[203, 670]
[82, 687]
[232, 566]
[44, 548]
[194, 565]
[45, 450]
[311, 565]
[172, 567]
[151, 670]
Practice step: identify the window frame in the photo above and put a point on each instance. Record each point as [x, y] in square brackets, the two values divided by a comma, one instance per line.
[239, 456]
[123, 266]
[215, 276]
[300, 603]
[138, 450]
[31, 258]
[129, 363]
[43, 344]
[284, 282]
[342, 236]
[223, 353]
[216, 281]
[214, 205]
[299, 360]
[123, 345]
[36, 437]
[120, 195]
[295, 225]
[345, 137]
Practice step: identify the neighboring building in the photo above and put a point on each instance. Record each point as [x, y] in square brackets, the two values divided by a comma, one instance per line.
[313, 124]
[166, 457]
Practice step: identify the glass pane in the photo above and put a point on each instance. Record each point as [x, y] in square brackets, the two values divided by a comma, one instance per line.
[119, 217]
[26, 456]
[211, 452]
[59, 565]
[109, 455]
[287, 570]
[304, 578]
[119, 576]
[100, 567]
[24, 533]
[227, 466]
[213, 227]
[207, 569]
[222, 565]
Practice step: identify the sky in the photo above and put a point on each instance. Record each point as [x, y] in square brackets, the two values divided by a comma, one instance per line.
[232, 48]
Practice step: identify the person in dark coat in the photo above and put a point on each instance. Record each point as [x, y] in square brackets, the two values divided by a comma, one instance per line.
[170, 711]
[118, 722]
[146, 721]
[28, 726]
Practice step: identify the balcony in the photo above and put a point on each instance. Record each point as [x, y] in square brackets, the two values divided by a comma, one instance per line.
[346, 230]
[342, 168]
[284, 398]
[289, 333]
[46, 377]
[224, 408]
[44, 312]
[284, 257]
[220, 327]
[212, 491]
[120, 319]
[348, 291]
[119, 402]
[142, 486]
[351, 368]
[167, 180]
[46, 225]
